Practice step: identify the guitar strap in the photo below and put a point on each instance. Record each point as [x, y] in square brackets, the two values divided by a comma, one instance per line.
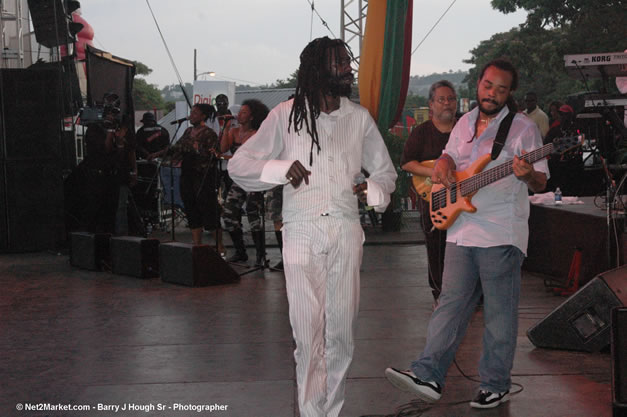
[501, 135]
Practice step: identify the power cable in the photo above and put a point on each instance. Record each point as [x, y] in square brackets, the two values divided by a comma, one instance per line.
[237, 79]
[311, 22]
[100, 43]
[324, 23]
[178, 76]
[436, 23]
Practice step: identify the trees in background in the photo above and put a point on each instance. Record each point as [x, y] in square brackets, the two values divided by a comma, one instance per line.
[145, 96]
[553, 29]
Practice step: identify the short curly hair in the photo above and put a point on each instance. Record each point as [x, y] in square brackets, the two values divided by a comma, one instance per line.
[258, 111]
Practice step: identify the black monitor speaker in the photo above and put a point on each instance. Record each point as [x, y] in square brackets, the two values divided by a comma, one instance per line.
[583, 321]
[193, 265]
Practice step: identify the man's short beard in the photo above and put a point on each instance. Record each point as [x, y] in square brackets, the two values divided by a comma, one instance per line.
[340, 90]
[446, 116]
[496, 110]
[337, 87]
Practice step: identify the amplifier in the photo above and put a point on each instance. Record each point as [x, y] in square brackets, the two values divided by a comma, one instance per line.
[135, 256]
[193, 265]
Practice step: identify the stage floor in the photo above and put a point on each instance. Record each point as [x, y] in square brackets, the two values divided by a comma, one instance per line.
[77, 337]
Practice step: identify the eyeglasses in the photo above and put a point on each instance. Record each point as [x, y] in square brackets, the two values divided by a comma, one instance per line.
[442, 100]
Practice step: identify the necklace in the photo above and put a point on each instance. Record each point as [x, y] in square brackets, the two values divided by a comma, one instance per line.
[243, 134]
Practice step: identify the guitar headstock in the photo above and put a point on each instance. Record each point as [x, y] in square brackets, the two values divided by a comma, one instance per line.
[567, 143]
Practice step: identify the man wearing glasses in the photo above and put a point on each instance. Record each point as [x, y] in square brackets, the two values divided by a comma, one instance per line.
[426, 143]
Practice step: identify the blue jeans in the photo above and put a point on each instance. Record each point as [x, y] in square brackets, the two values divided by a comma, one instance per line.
[469, 272]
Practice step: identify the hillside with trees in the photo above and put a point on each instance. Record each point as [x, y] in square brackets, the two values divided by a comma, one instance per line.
[419, 84]
[145, 96]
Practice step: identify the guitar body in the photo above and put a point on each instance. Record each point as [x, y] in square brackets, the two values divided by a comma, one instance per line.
[422, 184]
[448, 204]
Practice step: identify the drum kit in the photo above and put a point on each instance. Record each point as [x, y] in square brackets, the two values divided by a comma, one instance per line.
[157, 193]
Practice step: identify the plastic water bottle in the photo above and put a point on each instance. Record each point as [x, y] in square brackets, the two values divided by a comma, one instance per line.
[558, 196]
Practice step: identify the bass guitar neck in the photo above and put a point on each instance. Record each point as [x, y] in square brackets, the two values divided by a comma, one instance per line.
[448, 203]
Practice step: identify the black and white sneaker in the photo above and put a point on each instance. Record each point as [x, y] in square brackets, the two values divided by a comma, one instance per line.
[406, 381]
[487, 399]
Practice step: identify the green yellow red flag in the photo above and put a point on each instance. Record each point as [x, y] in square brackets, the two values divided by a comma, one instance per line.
[385, 60]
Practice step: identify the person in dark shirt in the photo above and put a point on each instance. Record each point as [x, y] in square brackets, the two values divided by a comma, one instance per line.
[110, 170]
[152, 139]
[196, 150]
[425, 143]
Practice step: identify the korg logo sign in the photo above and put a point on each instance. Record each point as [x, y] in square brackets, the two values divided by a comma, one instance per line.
[602, 58]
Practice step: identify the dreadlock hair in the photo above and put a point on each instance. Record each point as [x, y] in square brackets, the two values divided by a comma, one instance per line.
[258, 111]
[312, 83]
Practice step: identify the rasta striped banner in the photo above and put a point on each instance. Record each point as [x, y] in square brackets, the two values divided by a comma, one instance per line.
[385, 60]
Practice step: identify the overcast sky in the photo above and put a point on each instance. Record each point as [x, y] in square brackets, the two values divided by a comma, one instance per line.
[259, 41]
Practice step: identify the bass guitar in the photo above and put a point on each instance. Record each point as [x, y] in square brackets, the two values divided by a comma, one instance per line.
[448, 203]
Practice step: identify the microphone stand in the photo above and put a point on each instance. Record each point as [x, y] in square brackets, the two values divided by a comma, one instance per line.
[610, 196]
[265, 264]
[157, 171]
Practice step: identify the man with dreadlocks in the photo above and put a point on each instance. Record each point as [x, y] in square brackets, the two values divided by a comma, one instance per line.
[322, 236]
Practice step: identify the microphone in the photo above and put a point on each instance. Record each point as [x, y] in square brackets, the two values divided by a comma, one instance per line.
[360, 178]
[179, 121]
[226, 117]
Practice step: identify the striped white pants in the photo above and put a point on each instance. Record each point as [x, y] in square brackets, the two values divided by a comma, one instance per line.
[321, 260]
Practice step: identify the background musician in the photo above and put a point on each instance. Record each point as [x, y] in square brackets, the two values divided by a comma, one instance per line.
[426, 142]
[196, 150]
[252, 113]
[152, 139]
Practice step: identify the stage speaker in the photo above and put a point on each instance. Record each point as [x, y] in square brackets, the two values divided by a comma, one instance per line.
[89, 250]
[31, 113]
[52, 22]
[31, 205]
[135, 256]
[582, 322]
[193, 265]
[619, 362]
[68, 87]
[31, 176]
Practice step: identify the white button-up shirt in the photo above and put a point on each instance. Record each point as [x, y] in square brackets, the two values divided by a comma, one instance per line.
[503, 206]
[349, 140]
